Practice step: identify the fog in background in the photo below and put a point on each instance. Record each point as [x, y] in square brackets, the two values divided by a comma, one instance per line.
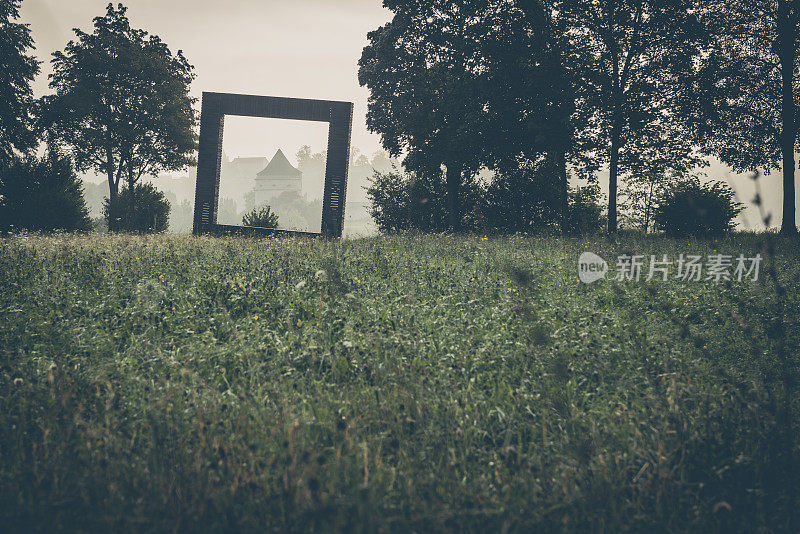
[297, 48]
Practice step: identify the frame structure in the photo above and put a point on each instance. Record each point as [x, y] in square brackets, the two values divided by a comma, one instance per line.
[339, 116]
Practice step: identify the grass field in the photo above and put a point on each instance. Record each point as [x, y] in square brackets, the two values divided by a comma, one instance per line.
[392, 384]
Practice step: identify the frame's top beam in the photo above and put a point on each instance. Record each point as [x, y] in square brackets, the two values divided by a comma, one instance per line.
[273, 107]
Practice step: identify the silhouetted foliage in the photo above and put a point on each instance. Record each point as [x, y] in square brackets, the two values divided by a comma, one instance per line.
[400, 202]
[529, 201]
[467, 84]
[530, 95]
[585, 214]
[262, 217]
[17, 71]
[138, 209]
[406, 201]
[423, 73]
[627, 57]
[41, 195]
[744, 92]
[122, 104]
[524, 199]
[691, 208]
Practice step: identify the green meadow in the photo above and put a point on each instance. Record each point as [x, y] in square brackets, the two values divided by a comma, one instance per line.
[393, 384]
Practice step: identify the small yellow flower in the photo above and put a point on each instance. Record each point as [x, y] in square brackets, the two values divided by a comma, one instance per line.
[256, 317]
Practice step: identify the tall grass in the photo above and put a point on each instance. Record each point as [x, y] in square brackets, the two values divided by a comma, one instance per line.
[391, 384]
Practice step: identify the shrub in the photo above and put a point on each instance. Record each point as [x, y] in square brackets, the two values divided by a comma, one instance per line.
[42, 195]
[523, 200]
[585, 210]
[139, 209]
[529, 199]
[692, 208]
[406, 201]
[520, 201]
[262, 217]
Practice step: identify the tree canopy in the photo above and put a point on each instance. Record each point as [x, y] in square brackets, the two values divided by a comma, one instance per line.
[423, 73]
[467, 84]
[472, 83]
[627, 57]
[17, 71]
[744, 93]
[122, 104]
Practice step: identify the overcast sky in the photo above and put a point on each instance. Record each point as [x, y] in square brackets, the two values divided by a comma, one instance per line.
[298, 48]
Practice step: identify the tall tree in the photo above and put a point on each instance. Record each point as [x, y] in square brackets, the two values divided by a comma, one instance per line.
[423, 70]
[531, 95]
[628, 56]
[17, 71]
[122, 104]
[747, 89]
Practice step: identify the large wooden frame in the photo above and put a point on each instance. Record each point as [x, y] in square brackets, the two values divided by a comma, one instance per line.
[339, 116]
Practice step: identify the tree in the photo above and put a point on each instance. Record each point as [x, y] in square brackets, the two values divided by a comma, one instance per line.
[423, 73]
[41, 195]
[628, 56]
[744, 95]
[17, 71]
[310, 162]
[122, 104]
[531, 95]
[139, 208]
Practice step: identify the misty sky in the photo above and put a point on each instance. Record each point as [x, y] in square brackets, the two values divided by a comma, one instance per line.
[298, 48]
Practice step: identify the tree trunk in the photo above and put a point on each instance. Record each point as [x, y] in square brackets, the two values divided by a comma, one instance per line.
[453, 179]
[786, 54]
[561, 163]
[613, 173]
[113, 186]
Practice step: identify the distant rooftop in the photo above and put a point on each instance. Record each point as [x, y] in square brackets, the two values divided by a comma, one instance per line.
[280, 166]
[244, 168]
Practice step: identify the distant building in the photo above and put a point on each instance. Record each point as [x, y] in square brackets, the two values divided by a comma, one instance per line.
[246, 168]
[238, 176]
[277, 177]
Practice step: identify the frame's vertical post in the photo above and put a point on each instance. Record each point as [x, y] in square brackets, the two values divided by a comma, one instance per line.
[209, 163]
[333, 203]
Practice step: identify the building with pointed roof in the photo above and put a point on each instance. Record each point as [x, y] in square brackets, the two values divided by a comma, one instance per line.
[278, 176]
[237, 175]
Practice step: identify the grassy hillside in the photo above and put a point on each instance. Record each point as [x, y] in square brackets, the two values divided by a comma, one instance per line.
[390, 384]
